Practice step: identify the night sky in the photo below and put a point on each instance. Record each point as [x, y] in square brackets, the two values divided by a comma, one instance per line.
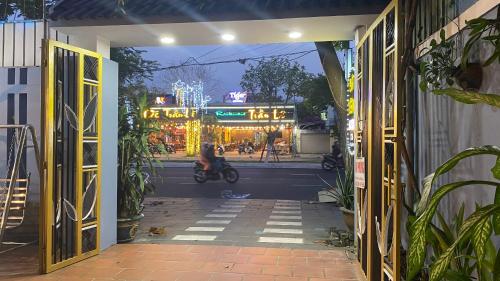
[229, 75]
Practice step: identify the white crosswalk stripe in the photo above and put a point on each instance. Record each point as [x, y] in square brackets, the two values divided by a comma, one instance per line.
[281, 240]
[221, 215]
[283, 230]
[205, 229]
[213, 222]
[285, 217]
[284, 223]
[227, 211]
[287, 212]
[287, 207]
[195, 237]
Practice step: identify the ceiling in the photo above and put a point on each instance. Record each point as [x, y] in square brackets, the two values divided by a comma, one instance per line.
[314, 29]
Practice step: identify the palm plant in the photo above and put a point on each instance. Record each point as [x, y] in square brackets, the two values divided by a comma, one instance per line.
[344, 191]
[135, 160]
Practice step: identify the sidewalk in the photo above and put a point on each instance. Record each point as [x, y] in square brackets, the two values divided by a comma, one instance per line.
[261, 165]
[151, 262]
[233, 156]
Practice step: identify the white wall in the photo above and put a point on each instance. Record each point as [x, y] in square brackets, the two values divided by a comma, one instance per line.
[33, 91]
[447, 127]
[109, 153]
[313, 142]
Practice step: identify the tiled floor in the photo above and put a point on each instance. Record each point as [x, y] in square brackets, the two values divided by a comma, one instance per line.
[165, 262]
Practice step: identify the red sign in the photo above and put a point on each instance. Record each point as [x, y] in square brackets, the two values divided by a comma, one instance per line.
[359, 172]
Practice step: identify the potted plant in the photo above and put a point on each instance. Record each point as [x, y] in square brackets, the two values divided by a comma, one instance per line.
[343, 193]
[134, 163]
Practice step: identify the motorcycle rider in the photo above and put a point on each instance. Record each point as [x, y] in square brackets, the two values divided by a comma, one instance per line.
[336, 152]
[208, 158]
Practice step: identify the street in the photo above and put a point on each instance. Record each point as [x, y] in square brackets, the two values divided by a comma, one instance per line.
[282, 209]
[260, 183]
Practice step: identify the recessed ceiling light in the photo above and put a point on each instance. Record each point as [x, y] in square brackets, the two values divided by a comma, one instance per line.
[295, 35]
[167, 40]
[228, 37]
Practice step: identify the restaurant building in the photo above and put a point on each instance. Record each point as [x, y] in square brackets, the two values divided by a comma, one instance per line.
[224, 124]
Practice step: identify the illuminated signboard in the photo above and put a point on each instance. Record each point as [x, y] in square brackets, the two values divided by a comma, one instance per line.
[161, 100]
[169, 113]
[253, 114]
[236, 97]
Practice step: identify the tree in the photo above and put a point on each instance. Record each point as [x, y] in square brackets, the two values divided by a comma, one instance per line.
[272, 81]
[134, 69]
[317, 97]
[192, 73]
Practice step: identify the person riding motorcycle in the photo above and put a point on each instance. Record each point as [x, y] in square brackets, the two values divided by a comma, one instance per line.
[208, 158]
[336, 152]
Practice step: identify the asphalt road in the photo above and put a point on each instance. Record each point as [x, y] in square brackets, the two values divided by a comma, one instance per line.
[261, 183]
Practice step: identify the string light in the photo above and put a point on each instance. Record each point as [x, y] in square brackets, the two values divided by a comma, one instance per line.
[193, 137]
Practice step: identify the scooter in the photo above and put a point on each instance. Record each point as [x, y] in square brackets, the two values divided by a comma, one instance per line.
[220, 149]
[220, 168]
[330, 162]
[170, 148]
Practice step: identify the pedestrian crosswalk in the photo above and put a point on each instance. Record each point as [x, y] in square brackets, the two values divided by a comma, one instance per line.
[223, 215]
[286, 214]
[282, 226]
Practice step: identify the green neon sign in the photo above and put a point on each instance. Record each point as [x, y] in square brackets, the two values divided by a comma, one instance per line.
[230, 114]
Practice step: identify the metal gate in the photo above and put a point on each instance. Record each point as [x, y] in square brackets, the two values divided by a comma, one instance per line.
[71, 153]
[379, 111]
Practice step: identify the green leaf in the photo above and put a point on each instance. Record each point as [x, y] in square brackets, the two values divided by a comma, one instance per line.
[440, 266]
[450, 164]
[469, 97]
[416, 251]
[496, 268]
[480, 236]
[496, 169]
[496, 217]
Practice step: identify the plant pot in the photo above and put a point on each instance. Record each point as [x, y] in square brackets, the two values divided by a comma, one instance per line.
[127, 228]
[348, 218]
[470, 78]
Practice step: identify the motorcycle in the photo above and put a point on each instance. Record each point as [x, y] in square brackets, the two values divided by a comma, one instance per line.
[220, 167]
[330, 162]
[170, 148]
[220, 149]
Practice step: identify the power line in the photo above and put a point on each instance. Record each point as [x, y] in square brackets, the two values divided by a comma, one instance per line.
[240, 60]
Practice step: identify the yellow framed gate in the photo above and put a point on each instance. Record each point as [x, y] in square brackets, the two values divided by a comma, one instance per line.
[379, 109]
[71, 152]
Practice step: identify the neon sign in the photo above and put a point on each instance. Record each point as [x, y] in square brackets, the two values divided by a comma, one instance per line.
[169, 113]
[236, 97]
[230, 114]
[262, 115]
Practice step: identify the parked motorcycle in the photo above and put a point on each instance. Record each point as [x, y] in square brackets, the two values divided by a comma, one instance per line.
[170, 148]
[220, 168]
[330, 162]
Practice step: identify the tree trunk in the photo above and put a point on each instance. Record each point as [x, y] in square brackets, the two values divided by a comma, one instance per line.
[338, 86]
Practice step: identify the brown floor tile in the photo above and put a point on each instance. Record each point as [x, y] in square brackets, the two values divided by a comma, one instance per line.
[308, 271]
[247, 268]
[252, 251]
[226, 277]
[292, 260]
[277, 270]
[218, 267]
[278, 252]
[268, 260]
[194, 276]
[258, 278]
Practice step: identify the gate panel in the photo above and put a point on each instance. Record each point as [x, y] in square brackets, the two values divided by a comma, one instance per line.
[72, 103]
[379, 108]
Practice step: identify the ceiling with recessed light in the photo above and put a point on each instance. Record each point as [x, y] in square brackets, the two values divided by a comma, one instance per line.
[210, 33]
